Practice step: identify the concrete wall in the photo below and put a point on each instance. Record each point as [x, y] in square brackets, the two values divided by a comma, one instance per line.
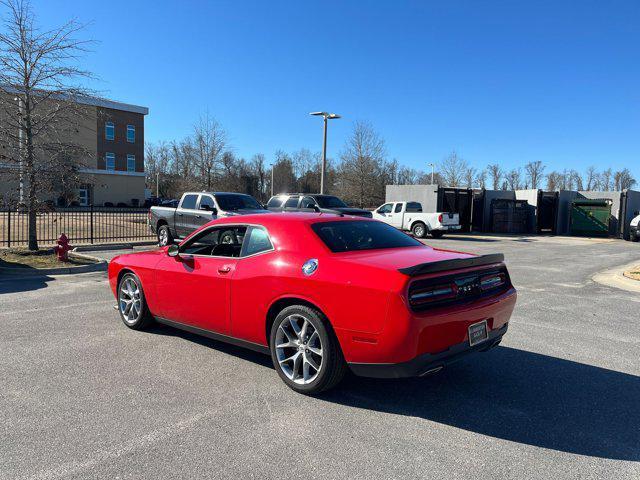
[427, 195]
[531, 196]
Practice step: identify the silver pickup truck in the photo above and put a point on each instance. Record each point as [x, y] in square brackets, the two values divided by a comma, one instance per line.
[196, 209]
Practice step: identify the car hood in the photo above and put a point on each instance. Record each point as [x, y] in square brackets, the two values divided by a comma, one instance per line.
[396, 258]
[246, 211]
[351, 211]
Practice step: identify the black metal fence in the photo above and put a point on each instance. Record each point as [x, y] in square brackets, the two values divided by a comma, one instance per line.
[82, 225]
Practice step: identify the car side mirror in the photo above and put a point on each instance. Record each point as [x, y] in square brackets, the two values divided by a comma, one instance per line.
[316, 208]
[173, 250]
[209, 208]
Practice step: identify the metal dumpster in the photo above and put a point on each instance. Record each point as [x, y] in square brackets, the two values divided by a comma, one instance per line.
[590, 218]
[509, 216]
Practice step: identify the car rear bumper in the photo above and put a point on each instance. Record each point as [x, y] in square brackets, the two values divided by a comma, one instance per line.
[448, 228]
[428, 362]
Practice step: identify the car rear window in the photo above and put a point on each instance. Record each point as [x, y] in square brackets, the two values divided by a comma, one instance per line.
[414, 207]
[349, 236]
[234, 201]
[275, 202]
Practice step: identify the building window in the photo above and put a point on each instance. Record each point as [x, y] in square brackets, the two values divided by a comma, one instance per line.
[109, 131]
[110, 160]
[131, 163]
[131, 133]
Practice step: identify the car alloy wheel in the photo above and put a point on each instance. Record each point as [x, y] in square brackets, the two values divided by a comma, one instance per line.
[131, 302]
[299, 349]
[305, 351]
[163, 237]
[419, 230]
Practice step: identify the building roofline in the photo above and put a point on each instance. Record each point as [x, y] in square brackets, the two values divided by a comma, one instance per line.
[89, 100]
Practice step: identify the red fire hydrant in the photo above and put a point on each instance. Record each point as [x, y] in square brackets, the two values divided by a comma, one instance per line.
[62, 248]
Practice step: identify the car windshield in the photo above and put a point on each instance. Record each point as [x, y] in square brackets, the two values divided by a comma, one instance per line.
[348, 236]
[229, 202]
[330, 202]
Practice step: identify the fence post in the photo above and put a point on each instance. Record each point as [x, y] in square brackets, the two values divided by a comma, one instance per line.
[91, 222]
[8, 228]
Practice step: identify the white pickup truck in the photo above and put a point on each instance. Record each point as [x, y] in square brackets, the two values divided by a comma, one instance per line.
[408, 216]
[635, 228]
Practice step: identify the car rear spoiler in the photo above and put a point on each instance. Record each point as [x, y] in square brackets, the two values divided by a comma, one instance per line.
[454, 264]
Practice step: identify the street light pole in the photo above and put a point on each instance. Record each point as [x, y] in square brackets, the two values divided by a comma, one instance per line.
[158, 184]
[432, 170]
[326, 117]
[272, 179]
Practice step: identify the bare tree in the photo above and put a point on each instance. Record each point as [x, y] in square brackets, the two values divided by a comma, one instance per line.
[513, 179]
[534, 172]
[469, 176]
[623, 180]
[554, 181]
[481, 179]
[40, 85]
[495, 174]
[210, 142]
[363, 159]
[591, 178]
[453, 168]
[605, 180]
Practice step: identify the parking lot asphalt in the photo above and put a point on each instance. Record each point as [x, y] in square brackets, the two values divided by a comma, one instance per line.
[84, 397]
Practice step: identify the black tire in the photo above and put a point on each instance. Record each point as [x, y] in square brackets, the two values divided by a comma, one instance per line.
[164, 236]
[143, 318]
[419, 230]
[436, 233]
[332, 365]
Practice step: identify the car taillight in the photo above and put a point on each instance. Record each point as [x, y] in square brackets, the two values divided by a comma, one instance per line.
[440, 218]
[433, 293]
[494, 280]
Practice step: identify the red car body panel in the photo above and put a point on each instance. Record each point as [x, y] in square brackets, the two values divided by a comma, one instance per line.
[362, 294]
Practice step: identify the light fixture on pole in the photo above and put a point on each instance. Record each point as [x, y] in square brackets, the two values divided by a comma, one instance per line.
[326, 116]
[432, 170]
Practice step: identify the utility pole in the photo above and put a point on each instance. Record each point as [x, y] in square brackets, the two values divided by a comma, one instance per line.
[20, 152]
[272, 165]
[326, 116]
[432, 170]
[158, 184]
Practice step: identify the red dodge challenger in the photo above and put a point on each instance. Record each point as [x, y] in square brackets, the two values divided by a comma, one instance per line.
[320, 293]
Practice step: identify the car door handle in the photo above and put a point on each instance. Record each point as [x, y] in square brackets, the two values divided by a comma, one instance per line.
[225, 269]
[198, 216]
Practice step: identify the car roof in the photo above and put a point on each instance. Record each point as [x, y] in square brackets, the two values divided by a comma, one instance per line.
[217, 193]
[275, 218]
[303, 195]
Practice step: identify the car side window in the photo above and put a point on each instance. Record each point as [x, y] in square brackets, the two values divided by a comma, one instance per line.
[275, 202]
[414, 207]
[206, 200]
[398, 208]
[307, 202]
[292, 202]
[189, 202]
[223, 241]
[257, 241]
[386, 208]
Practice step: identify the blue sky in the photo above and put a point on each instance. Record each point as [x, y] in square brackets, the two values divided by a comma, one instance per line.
[505, 82]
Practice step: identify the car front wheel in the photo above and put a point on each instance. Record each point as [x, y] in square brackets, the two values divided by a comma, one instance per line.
[164, 236]
[132, 304]
[305, 353]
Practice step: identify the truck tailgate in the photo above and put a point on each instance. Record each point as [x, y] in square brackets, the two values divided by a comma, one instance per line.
[450, 219]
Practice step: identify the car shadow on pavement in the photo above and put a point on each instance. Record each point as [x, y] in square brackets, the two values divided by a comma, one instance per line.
[14, 283]
[518, 396]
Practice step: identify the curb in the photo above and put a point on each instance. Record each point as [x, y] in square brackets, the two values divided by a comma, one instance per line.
[615, 278]
[45, 272]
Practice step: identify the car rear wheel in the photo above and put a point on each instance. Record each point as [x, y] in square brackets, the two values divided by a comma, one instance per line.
[132, 304]
[305, 353]
[164, 236]
[419, 230]
[436, 233]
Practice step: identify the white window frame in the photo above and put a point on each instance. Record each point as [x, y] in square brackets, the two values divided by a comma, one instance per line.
[130, 159]
[131, 128]
[107, 126]
[107, 157]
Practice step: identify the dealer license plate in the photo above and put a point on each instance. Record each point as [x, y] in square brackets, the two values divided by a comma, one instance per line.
[478, 333]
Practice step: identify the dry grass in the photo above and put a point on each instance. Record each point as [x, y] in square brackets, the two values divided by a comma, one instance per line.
[634, 273]
[22, 258]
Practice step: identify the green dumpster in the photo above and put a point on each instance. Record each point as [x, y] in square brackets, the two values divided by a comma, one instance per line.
[590, 218]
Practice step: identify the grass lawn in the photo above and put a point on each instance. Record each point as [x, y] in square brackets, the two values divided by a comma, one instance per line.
[45, 258]
[634, 273]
